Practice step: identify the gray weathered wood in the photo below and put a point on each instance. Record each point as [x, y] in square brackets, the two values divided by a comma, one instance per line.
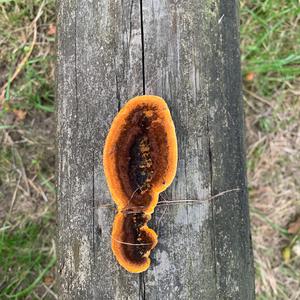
[190, 57]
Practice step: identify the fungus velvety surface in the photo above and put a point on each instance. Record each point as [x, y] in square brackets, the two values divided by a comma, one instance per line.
[132, 241]
[140, 161]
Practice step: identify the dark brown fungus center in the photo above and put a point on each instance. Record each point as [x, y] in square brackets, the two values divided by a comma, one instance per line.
[139, 159]
[137, 240]
[141, 154]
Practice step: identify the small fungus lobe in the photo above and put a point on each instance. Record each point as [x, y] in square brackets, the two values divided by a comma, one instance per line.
[140, 161]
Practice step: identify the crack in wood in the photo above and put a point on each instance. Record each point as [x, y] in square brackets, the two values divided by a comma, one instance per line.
[75, 65]
[212, 207]
[117, 88]
[142, 283]
[93, 212]
[143, 46]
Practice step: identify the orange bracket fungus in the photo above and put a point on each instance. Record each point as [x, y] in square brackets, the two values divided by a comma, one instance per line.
[140, 160]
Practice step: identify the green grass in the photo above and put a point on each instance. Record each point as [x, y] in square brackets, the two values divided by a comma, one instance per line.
[33, 89]
[36, 89]
[24, 257]
[270, 42]
[27, 255]
[270, 45]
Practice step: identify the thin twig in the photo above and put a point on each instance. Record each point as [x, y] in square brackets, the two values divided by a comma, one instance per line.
[131, 244]
[132, 196]
[49, 290]
[39, 190]
[252, 148]
[161, 196]
[250, 104]
[14, 195]
[159, 221]
[20, 161]
[17, 154]
[191, 201]
[177, 201]
[258, 98]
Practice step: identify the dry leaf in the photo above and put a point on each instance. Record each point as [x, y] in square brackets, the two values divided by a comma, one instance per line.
[51, 29]
[20, 114]
[286, 254]
[294, 227]
[250, 76]
[48, 280]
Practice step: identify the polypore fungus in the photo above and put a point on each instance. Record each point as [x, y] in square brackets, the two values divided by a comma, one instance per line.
[132, 241]
[140, 160]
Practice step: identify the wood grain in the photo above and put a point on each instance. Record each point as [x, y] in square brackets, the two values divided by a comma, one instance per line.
[188, 53]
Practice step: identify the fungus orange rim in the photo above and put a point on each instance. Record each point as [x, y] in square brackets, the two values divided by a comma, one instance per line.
[140, 161]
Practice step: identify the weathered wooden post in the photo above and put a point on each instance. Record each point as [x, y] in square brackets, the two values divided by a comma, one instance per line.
[186, 51]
